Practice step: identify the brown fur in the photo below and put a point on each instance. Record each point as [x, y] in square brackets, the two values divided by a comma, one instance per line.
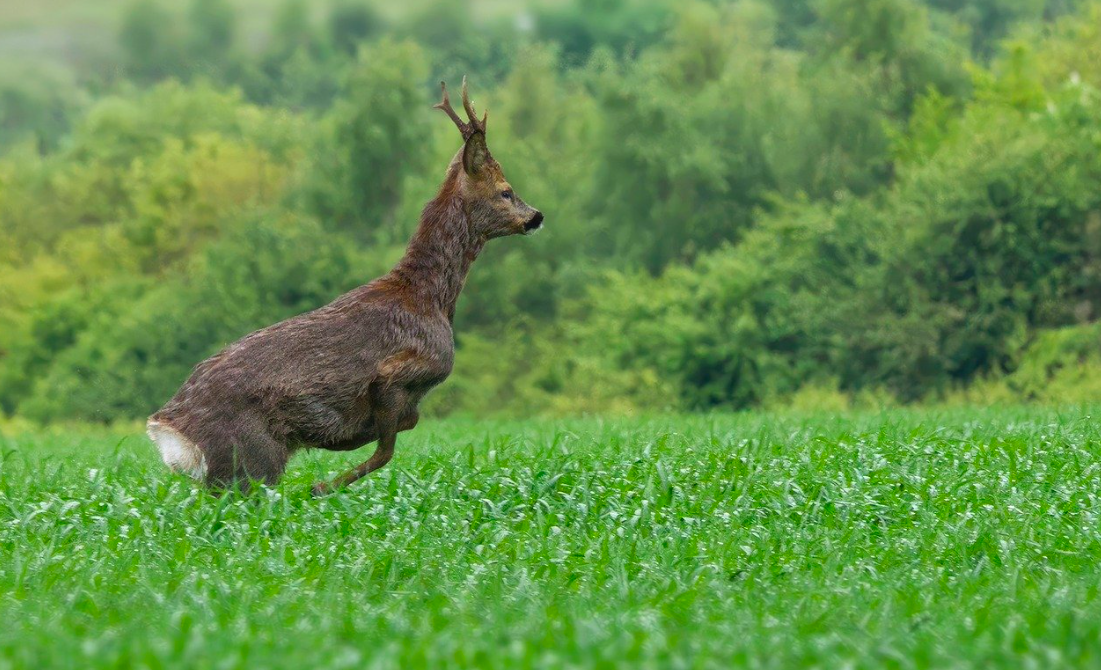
[354, 371]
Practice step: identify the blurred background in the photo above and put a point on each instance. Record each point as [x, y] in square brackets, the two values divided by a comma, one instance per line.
[785, 203]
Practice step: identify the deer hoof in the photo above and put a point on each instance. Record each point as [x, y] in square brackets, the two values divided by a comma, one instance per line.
[321, 489]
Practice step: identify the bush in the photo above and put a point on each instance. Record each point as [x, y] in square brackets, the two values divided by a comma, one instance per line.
[127, 361]
[1060, 366]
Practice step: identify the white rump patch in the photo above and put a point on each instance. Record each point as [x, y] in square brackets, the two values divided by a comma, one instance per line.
[178, 453]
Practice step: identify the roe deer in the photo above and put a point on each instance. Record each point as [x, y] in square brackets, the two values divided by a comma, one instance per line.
[351, 372]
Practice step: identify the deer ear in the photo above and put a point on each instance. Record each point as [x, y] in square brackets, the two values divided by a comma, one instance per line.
[475, 154]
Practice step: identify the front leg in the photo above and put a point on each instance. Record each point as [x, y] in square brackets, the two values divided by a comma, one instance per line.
[383, 453]
[387, 424]
[350, 444]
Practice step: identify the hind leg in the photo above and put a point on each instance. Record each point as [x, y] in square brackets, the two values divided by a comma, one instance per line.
[246, 457]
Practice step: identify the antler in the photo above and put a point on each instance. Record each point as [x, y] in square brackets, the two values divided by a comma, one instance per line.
[467, 129]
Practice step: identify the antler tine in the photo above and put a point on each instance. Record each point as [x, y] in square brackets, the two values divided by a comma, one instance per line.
[471, 114]
[445, 105]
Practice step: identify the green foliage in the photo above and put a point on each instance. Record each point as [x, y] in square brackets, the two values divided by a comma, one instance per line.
[38, 103]
[211, 39]
[991, 20]
[130, 354]
[374, 139]
[580, 27]
[351, 23]
[985, 236]
[158, 42]
[893, 42]
[1059, 366]
[142, 184]
[151, 42]
[749, 121]
[744, 324]
[841, 203]
[55, 327]
[1005, 243]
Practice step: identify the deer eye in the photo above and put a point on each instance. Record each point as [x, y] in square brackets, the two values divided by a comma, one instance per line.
[507, 195]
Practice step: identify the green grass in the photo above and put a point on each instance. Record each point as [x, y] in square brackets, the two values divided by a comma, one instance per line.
[907, 539]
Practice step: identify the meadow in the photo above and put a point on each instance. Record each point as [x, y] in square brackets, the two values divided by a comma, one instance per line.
[908, 539]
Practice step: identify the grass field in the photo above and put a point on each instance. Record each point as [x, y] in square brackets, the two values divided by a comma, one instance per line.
[905, 539]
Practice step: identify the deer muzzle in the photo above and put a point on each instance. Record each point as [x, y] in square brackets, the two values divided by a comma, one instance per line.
[534, 223]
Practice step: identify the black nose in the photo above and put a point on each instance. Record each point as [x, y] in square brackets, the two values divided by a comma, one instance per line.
[534, 222]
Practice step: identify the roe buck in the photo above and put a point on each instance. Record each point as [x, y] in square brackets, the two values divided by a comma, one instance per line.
[351, 372]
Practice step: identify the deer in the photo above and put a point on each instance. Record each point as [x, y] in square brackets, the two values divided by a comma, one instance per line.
[354, 371]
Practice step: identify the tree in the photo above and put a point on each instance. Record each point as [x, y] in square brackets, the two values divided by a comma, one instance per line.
[211, 35]
[351, 23]
[152, 45]
[375, 139]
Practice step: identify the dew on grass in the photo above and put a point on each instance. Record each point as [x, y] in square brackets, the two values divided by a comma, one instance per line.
[961, 539]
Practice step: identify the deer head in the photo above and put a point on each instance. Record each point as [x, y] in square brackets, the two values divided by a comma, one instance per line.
[493, 208]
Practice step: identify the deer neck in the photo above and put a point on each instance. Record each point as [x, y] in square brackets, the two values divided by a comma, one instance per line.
[439, 256]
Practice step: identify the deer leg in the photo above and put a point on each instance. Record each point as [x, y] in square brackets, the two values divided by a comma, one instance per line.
[383, 453]
[388, 425]
[351, 444]
[244, 452]
[409, 420]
